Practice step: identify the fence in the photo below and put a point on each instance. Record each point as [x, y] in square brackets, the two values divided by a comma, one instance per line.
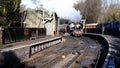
[20, 34]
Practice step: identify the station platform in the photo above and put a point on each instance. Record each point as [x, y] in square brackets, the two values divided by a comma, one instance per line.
[114, 42]
[26, 43]
[114, 46]
[25, 49]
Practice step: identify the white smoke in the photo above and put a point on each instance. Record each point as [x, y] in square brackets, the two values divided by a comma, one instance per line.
[63, 8]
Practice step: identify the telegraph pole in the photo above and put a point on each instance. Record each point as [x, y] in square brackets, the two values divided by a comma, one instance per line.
[58, 26]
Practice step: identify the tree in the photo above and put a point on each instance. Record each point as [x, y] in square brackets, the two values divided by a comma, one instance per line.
[110, 11]
[81, 6]
[113, 12]
[63, 21]
[92, 10]
[9, 12]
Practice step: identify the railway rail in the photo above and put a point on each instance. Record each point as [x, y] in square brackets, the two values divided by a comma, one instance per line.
[77, 51]
[88, 58]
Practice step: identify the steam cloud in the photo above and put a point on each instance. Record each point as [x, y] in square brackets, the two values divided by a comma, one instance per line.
[63, 8]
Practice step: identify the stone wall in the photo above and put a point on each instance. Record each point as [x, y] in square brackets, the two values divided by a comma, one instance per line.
[22, 53]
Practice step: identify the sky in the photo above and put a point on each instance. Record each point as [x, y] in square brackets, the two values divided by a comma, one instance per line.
[63, 8]
[112, 1]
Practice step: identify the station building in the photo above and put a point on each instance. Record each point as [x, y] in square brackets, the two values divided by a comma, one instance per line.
[41, 18]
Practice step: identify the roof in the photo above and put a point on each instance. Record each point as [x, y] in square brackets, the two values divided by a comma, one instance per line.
[92, 24]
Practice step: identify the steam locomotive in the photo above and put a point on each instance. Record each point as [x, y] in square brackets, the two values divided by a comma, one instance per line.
[75, 29]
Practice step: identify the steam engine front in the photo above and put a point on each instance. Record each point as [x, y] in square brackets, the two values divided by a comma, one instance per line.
[75, 29]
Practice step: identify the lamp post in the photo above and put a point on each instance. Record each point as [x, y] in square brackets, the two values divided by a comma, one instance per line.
[103, 28]
[58, 26]
[24, 25]
[83, 21]
[85, 25]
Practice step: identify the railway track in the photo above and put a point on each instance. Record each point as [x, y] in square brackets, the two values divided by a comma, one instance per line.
[78, 51]
[87, 59]
[65, 52]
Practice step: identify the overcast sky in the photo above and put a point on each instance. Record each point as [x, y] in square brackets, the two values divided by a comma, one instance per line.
[36, 3]
[63, 8]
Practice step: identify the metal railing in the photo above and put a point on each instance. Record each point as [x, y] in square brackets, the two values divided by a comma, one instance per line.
[37, 47]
